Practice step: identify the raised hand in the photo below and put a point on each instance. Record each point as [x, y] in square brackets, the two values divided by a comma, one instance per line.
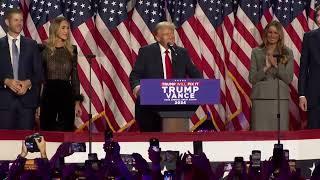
[140, 163]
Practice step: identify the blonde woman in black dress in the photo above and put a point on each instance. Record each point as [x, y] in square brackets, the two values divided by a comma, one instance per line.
[61, 89]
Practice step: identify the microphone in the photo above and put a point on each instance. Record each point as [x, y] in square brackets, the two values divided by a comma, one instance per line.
[172, 48]
[90, 56]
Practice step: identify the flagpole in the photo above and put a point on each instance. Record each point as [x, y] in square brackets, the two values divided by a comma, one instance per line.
[90, 57]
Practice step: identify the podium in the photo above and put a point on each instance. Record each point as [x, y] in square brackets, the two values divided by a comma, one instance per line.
[176, 100]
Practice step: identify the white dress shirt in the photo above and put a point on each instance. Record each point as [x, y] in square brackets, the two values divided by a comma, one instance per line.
[163, 55]
[10, 38]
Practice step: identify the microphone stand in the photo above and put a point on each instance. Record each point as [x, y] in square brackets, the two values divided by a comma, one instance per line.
[278, 100]
[91, 156]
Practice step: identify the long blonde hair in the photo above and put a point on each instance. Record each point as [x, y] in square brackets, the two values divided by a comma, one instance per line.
[280, 44]
[53, 31]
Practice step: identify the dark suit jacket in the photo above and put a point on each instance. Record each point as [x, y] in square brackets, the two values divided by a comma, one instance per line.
[149, 65]
[29, 68]
[308, 83]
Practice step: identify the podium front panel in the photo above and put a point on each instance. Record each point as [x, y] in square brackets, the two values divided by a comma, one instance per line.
[179, 91]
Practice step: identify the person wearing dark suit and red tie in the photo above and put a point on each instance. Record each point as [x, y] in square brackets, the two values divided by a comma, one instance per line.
[308, 82]
[158, 61]
[20, 75]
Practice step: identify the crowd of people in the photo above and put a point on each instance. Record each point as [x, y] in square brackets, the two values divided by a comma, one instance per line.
[187, 166]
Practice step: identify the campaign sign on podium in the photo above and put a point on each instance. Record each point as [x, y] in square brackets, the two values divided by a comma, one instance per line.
[179, 91]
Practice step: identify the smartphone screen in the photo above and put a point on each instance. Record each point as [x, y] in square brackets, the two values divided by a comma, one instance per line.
[256, 159]
[188, 159]
[78, 147]
[286, 154]
[169, 175]
[292, 165]
[128, 159]
[227, 167]
[169, 159]
[154, 144]
[197, 147]
[29, 145]
[30, 165]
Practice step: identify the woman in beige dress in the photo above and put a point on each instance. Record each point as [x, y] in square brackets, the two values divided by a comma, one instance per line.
[270, 62]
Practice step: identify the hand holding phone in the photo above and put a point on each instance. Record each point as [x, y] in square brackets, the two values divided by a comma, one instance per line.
[31, 144]
[154, 144]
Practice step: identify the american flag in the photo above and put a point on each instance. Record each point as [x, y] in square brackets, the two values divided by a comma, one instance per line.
[182, 14]
[146, 14]
[219, 36]
[215, 41]
[39, 17]
[113, 39]
[81, 16]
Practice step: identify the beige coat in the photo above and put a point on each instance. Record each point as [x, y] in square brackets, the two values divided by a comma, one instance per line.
[264, 92]
[264, 84]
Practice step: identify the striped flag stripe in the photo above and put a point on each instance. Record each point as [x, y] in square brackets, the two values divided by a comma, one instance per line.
[112, 58]
[122, 113]
[120, 36]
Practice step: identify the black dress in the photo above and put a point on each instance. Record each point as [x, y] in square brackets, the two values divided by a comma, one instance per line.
[60, 91]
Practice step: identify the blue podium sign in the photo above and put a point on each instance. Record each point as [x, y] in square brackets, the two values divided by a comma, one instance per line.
[179, 91]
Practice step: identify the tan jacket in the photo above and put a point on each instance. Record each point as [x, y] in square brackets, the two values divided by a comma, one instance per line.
[264, 84]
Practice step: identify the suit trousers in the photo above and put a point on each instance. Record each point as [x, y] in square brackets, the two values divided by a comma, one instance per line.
[314, 118]
[17, 117]
[148, 120]
[57, 106]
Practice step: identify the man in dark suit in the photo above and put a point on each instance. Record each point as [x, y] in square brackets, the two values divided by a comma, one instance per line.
[20, 75]
[157, 61]
[308, 84]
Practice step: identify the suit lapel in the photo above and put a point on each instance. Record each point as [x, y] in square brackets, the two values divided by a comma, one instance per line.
[21, 54]
[7, 56]
[174, 58]
[317, 36]
[159, 59]
[6, 49]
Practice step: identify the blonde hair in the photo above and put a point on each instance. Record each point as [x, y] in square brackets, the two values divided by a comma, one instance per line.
[280, 44]
[163, 24]
[53, 31]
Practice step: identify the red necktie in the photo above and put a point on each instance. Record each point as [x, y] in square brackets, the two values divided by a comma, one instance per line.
[168, 65]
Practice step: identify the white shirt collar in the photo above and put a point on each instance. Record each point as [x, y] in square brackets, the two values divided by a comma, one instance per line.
[11, 38]
[162, 49]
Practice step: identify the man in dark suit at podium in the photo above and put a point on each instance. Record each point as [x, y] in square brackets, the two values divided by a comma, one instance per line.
[20, 75]
[159, 61]
[308, 84]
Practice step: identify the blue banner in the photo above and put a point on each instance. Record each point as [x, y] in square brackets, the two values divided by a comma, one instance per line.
[179, 91]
